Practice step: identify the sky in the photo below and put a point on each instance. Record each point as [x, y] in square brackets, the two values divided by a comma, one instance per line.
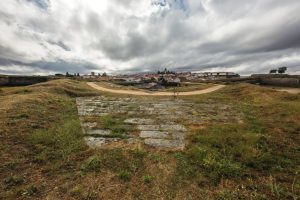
[41, 37]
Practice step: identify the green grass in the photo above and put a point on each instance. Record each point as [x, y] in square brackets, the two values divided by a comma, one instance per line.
[124, 175]
[116, 125]
[13, 181]
[115, 160]
[92, 164]
[148, 178]
[58, 142]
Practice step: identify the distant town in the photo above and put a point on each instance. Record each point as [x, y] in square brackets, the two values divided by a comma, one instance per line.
[164, 78]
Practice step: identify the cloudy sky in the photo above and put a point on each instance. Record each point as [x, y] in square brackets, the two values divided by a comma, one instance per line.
[127, 36]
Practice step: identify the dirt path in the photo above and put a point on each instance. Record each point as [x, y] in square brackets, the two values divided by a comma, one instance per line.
[141, 93]
[290, 90]
[284, 89]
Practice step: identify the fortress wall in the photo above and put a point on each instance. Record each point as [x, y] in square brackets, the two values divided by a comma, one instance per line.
[283, 82]
[21, 80]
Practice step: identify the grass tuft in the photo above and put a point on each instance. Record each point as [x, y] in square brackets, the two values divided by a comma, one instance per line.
[148, 178]
[93, 163]
[124, 176]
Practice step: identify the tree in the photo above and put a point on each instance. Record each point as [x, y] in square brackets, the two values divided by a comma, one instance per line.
[273, 71]
[282, 70]
[104, 74]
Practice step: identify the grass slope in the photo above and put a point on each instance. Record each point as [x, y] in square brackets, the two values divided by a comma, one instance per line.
[44, 155]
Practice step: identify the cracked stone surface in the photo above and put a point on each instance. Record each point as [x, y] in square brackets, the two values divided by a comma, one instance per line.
[159, 123]
[98, 132]
[138, 121]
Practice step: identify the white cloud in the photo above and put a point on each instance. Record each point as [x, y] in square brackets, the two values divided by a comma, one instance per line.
[123, 36]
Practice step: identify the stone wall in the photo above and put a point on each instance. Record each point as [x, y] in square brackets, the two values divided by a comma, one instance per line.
[282, 82]
[21, 80]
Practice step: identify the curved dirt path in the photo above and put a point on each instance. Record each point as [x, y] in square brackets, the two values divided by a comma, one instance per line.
[290, 90]
[141, 93]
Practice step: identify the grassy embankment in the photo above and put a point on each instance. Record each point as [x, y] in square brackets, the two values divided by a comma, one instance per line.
[44, 155]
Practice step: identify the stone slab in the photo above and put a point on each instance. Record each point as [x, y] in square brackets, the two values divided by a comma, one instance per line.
[154, 134]
[139, 121]
[163, 143]
[148, 127]
[99, 132]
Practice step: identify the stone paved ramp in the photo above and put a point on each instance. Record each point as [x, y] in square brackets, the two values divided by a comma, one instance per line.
[157, 123]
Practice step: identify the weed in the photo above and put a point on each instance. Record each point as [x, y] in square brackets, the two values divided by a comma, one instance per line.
[21, 116]
[275, 188]
[184, 169]
[13, 181]
[215, 165]
[156, 158]
[30, 191]
[253, 120]
[12, 165]
[124, 175]
[24, 91]
[148, 178]
[228, 195]
[93, 163]
[78, 190]
[115, 125]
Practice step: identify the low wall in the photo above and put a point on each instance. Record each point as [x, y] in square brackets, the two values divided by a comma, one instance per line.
[21, 80]
[282, 82]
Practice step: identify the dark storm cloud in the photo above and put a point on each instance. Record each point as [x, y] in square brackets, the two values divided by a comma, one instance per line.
[58, 66]
[130, 36]
[44, 4]
[62, 66]
[61, 45]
